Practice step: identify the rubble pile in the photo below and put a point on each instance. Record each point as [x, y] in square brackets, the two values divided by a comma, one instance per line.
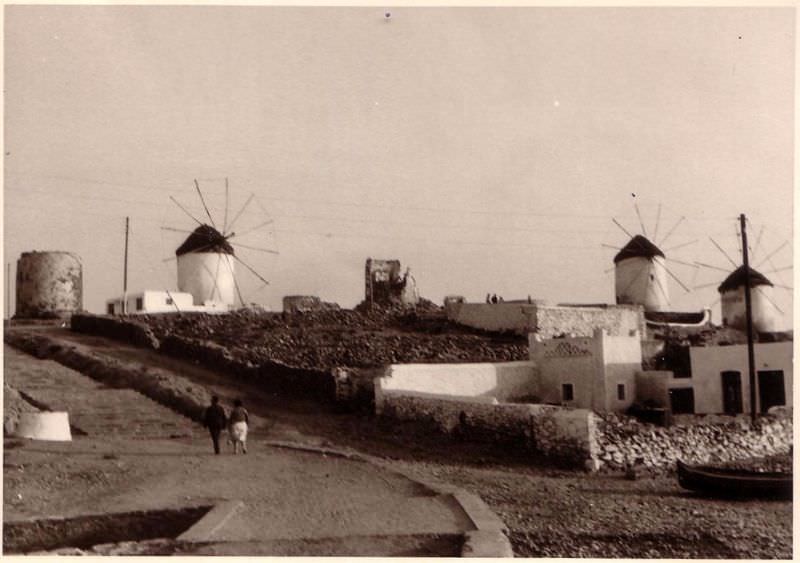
[365, 337]
[624, 441]
[14, 404]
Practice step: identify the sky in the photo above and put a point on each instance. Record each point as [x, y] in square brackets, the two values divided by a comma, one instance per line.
[489, 149]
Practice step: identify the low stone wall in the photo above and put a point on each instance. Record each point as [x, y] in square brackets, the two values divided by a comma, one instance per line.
[622, 440]
[564, 435]
[269, 375]
[123, 329]
[320, 385]
[172, 391]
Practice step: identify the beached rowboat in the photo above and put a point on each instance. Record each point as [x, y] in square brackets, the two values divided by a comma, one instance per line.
[734, 482]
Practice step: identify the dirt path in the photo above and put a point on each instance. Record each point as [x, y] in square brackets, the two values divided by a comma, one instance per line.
[302, 501]
[549, 512]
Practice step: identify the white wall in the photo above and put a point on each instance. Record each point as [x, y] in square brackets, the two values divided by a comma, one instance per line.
[710, 361]
[156, 301]
[622, 358]
[575, 361]
[207, 276]
[642, 281]
[765, 316]
[593, 366]
[503, 381]
[494, 316]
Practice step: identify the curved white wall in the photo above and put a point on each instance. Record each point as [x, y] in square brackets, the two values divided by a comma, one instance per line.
[764, 312]
[197, 272]
[642, 281]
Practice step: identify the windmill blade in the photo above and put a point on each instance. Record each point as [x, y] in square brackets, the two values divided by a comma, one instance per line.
[679, 246]
[270, 251]
[663, 291]
[235, 283]
[758, 240]
[256, 274]
[674, 277]
[611, 246]
[789, 287]
[705, 285]
[639, 215]
[225, 219]
[609, 270]
[779, 269]
[735, 265]
[658, 219]
[174, 304]
[635, 278]
[175, 201]
[203, 201]
[681, 262]
[176, 230]
[765, 296]
[773, 253]
[704, 265]
[621, 227]
[248, 231]
[246, 203]
[672, 230]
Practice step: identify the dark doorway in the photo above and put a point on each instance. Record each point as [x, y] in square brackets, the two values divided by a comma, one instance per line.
[732, 392]
[681, 400]
[771, 390]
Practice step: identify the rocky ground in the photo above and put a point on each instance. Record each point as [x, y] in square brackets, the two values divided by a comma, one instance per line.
[549, 512]
[353, 338]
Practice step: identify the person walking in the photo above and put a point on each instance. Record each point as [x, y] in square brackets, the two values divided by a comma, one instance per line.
[237, 426]
[215, 420]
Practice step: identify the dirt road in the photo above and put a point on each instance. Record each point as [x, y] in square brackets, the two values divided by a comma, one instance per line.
[549, 512]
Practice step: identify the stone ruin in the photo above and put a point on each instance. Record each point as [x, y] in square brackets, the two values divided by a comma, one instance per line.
[385, 285]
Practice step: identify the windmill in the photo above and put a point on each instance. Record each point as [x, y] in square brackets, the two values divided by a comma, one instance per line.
[640, 267]
[765, 310]
[207, 259]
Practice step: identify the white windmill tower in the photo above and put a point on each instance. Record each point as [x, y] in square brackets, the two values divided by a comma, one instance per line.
[206, 267]
[640, 276]
[207, 260]
[762, 302]
[640, 270]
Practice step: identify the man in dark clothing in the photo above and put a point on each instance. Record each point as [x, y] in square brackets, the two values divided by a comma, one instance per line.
[215, 420]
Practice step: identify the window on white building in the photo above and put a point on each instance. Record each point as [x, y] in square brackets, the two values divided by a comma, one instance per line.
[567, 392]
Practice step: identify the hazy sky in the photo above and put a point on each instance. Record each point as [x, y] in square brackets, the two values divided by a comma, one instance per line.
[488, 149]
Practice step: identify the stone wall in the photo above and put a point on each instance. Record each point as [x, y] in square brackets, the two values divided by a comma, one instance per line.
[549, 320]
[563, 435]
[622, 440]
[616, 320]
[125, 330]
[320, 385]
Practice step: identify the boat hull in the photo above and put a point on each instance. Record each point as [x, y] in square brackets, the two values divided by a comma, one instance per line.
[734, 483]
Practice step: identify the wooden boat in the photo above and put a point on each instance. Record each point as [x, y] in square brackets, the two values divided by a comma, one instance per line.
[734, 482]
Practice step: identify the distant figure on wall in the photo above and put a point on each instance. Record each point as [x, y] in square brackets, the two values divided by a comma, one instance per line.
[494, 298]
[488, 298]
[215, 420]
[237, 429]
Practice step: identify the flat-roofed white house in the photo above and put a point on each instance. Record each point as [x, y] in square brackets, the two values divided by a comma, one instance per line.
[161, 301]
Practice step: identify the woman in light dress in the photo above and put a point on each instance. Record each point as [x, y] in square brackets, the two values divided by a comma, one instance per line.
[237, 426]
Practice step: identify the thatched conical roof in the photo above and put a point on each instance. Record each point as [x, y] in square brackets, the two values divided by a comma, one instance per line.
[205, 239]
[737, 279]
[638, 247]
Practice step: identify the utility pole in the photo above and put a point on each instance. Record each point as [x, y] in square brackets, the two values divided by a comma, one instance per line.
[8, 293]
[748, 309]
[125, 271]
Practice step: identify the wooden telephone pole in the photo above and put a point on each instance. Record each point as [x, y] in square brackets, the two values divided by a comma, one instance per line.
[748, 309]
[125, 271]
